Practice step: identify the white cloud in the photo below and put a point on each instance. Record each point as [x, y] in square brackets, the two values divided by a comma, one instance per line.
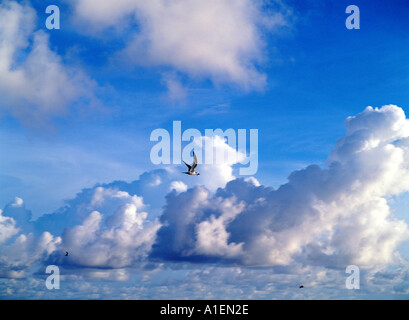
[18, 202]
[153, 186]
[333, 217]
[7, 228]
[216, 39]
[216, 174]
[178, 186]
[253, 180]
[38, 86]
[24, 252]
[116, 240]
[212, 237]
[20, 215]
[330, 217]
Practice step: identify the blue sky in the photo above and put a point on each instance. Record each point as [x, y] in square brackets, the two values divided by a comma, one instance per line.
[290, 69]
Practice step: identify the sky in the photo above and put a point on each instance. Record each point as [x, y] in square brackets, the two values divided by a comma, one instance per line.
[79, 104]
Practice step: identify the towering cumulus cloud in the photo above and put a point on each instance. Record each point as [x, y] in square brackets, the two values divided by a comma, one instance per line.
[331, 217]
[327, 217]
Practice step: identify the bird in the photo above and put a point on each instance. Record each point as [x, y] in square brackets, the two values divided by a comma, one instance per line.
[191, 169]
[301, 287]
[66, 253]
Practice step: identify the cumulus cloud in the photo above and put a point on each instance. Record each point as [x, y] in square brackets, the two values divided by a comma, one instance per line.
[106, 198]
[178, 186]
[7, 228]
[333, 217]
[108, 226]
[153, 186]
[322, 217]
[21, 246]
[216, 173]
[114, 241]
[35, 84]
[218, 39]
[26, 250]
[18, 212]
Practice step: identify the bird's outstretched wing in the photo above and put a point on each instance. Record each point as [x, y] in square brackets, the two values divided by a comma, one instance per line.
[187, 165]
[194, 165]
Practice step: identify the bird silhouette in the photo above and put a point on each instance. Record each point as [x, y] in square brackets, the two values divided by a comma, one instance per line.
[66, 253]
[191, 169]
[301, 287]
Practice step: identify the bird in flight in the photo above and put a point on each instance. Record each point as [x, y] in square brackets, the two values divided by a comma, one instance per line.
[66, 253]
[191, 169]
[301, 287]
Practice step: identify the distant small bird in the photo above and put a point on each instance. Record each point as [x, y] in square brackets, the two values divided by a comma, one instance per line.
[301, 287]
[191, 169]
[66, 253]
